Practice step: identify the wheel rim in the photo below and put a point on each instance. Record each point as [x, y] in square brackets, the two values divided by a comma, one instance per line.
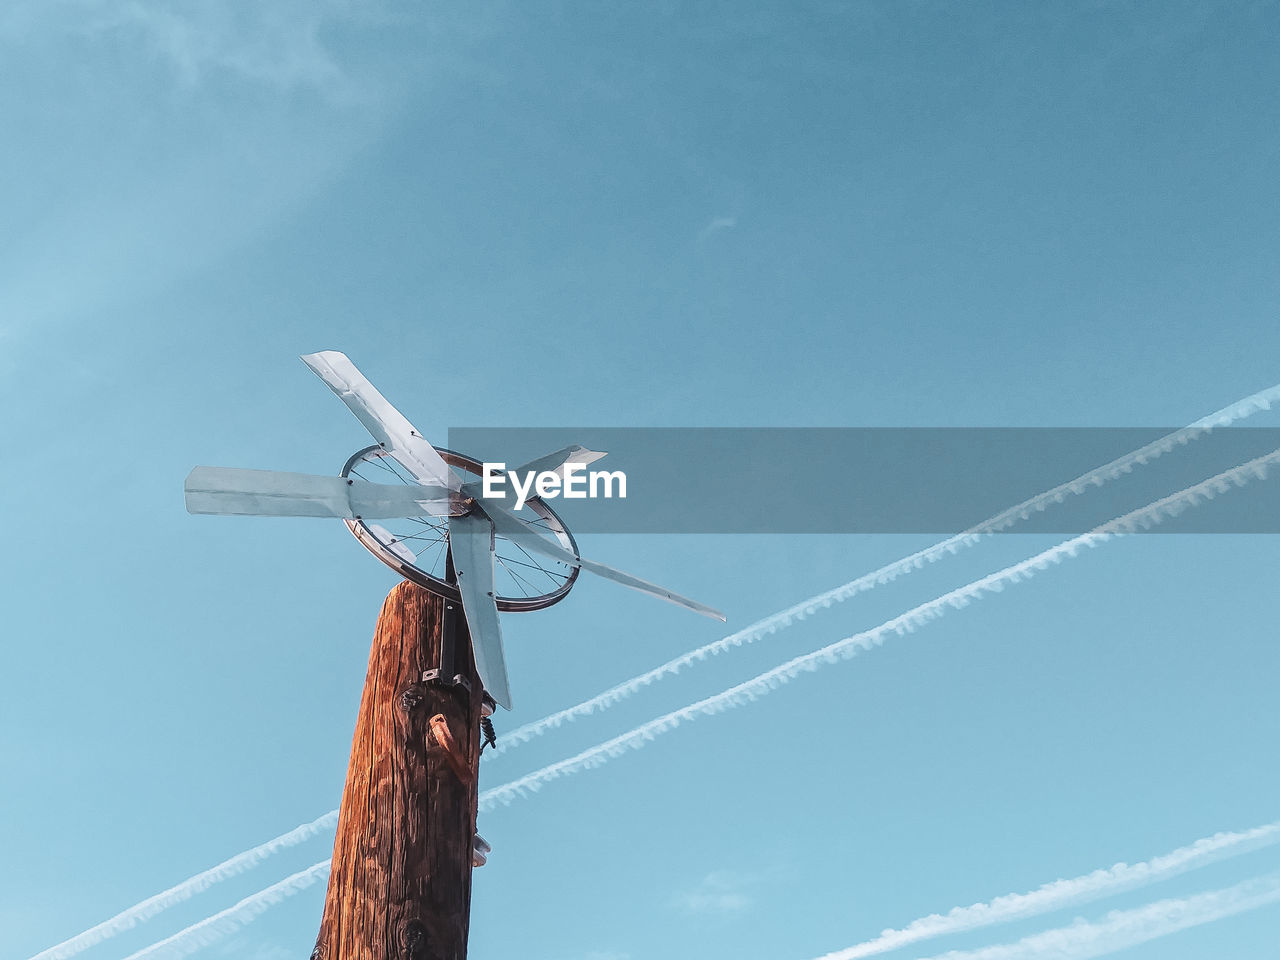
[417, 547]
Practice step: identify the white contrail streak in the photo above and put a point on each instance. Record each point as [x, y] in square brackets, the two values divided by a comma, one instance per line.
[1126, 928]
[1067, 893]
[1239, 410]
[212, 929]
[146, 909]
[1143, 518]
[886, 574]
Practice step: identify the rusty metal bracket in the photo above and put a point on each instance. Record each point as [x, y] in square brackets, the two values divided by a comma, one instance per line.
[440, 731]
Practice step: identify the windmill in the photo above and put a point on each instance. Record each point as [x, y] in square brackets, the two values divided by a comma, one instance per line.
[443, 534]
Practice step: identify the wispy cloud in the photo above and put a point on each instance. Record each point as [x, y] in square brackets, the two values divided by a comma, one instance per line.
[1126, 928]
[715, 226]
[719, 892]
[1065, 893]
[203, 124]
[277, 44]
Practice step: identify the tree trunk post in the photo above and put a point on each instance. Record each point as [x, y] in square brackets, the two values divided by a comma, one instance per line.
[400, 885]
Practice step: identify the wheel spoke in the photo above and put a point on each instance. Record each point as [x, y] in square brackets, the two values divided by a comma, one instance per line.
[437, 560]
[515, 576]
[536, 566]
[530, 558]
[425, 533]
[425, 547]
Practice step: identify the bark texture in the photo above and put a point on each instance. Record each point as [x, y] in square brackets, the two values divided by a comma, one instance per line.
[400, 887]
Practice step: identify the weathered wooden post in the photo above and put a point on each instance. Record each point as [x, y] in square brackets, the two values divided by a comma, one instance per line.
[400, 886]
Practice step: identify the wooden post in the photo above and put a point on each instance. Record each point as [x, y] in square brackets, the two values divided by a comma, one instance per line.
[400, 886]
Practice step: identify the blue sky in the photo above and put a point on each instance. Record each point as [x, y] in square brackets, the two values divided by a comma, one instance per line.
[799, 214]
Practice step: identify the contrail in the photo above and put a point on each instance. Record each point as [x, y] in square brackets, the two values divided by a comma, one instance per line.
[1143, 518]
[146, 909]
[890, 572]
[1126, 928]
[1239, 410]
[1066, 893]
[212, 929]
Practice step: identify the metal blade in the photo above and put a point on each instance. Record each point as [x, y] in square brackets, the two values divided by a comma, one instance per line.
[272, 493]
[644, 586]
[551, 463]
[387, 424]
[556, 462]
[513, 528]
[471, 541]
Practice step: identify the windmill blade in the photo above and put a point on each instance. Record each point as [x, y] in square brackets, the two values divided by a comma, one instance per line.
[513, 528]
[551, 463]
[271, 493]
[387, 424]
[556, 462]
[471, 542]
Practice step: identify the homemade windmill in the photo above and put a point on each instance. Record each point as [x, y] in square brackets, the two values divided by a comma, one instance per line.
[448, 537]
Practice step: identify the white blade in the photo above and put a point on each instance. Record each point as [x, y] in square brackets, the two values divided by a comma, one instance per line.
[271, 493]
[387, 424]
[471, 541]
[513, 528]
[556, 462]
[551, 463]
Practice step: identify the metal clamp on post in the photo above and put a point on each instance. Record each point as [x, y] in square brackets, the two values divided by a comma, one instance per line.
[444, 674]
[457, 680]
